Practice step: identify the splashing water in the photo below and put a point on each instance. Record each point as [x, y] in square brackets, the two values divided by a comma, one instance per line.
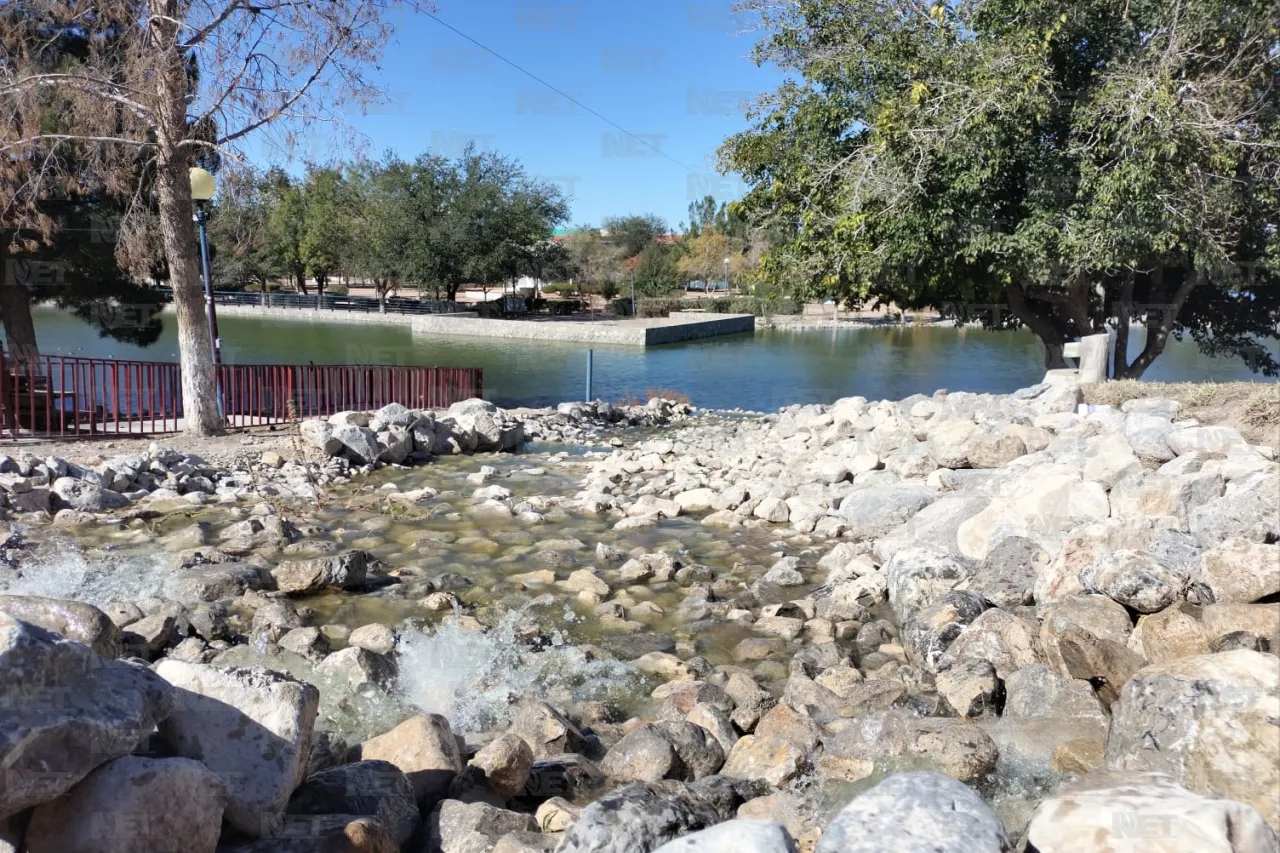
[474, 677]
[61, 569]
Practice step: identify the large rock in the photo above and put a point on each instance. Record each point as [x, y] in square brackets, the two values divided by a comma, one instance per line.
[458, 827]
[918, 576]
[376, 789]
[425, 749]
[161, 805]
[301, 577]
[319, 434]
[1098, 614]
[1003, 640]
[1144, 813]
[1205, 440]
[1039, 503]
[359, 444]
[84, 496]
[1237, 571]
[1136, 580]
[768, 759]
[638, 818]
[934, 526]
[735, 836]
[1007, 576]
[874, 511]
[916, 813]
[546, 730]
[253, 727]
[1212, 722]
[64, 711]
[928, 632]
[216, 582]
[505, 763]
[1247, 515]
[670, 749]
[74, 620]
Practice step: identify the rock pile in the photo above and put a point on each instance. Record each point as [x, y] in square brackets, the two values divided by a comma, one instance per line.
[1004, 621]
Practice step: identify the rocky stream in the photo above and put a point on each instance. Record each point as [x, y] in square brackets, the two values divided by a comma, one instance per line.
[951, 624]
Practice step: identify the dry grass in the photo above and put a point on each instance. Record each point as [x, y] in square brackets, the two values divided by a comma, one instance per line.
[1251, 407]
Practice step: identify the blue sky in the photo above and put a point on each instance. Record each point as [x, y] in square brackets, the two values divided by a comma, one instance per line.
[671, 72]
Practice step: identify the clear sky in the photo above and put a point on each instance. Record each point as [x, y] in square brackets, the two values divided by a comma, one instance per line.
[672, 73]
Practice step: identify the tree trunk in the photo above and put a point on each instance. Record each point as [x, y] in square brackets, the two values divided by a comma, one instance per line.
[1124, 317]
[1162, 314]
[195, 350]
[19, 328]
[300, 281]
[1050, 335]
[173, 183]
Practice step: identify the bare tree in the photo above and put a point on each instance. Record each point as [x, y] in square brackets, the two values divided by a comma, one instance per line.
[161, 86]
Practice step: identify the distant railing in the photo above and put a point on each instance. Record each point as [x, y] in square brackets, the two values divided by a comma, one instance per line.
[328, 302]
[52, 396]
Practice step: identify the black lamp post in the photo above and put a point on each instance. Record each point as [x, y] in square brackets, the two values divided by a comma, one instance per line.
[202, 187]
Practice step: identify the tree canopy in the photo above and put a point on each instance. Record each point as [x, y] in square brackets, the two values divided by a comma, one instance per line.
[1067, 168]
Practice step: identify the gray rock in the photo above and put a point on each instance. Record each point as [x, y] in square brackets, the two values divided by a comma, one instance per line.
[1209, 721]
[130, 804]
[934, 526]
[393, 415]
[916, 813]
[1006, 576]
[918, 576]
[358, 668]
[301, 577]
[638, 818]
[253, 727]
[874, 511]
[930, 631]
[319, 434]
[735, 836]
[396, 444]
[359, 444]
[85, 496]
[1146, 811]
[375, 789]
[546, 730]
[452, 824]
[74, 620]
[65, 711]
[1247, 515]
[1135, 579]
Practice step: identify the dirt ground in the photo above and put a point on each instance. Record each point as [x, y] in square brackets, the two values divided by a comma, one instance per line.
[1251, 407]
[231, 450]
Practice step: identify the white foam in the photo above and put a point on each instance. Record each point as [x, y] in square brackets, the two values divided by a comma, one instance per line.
[473, 678]
[61, 569]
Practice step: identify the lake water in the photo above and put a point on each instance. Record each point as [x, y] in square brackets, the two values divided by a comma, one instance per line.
[763, 371]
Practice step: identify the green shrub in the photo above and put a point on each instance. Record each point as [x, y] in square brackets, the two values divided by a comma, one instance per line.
[719, 305]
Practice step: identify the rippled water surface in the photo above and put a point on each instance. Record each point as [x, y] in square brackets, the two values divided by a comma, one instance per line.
[760, 371]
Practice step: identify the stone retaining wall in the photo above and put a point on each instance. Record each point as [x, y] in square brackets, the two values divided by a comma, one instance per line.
[666, 330]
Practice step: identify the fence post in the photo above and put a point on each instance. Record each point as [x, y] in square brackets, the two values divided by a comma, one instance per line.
[590, 366]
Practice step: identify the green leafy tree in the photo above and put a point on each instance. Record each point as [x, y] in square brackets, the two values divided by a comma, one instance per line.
[633, 232]
[285, 227]
[324, 235]
[1067, 169]
[595, 259]
[657, 269]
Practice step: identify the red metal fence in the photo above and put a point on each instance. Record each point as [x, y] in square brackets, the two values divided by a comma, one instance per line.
[53, 396]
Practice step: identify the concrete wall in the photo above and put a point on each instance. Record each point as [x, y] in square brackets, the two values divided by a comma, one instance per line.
[640, 333]
[310, 315]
